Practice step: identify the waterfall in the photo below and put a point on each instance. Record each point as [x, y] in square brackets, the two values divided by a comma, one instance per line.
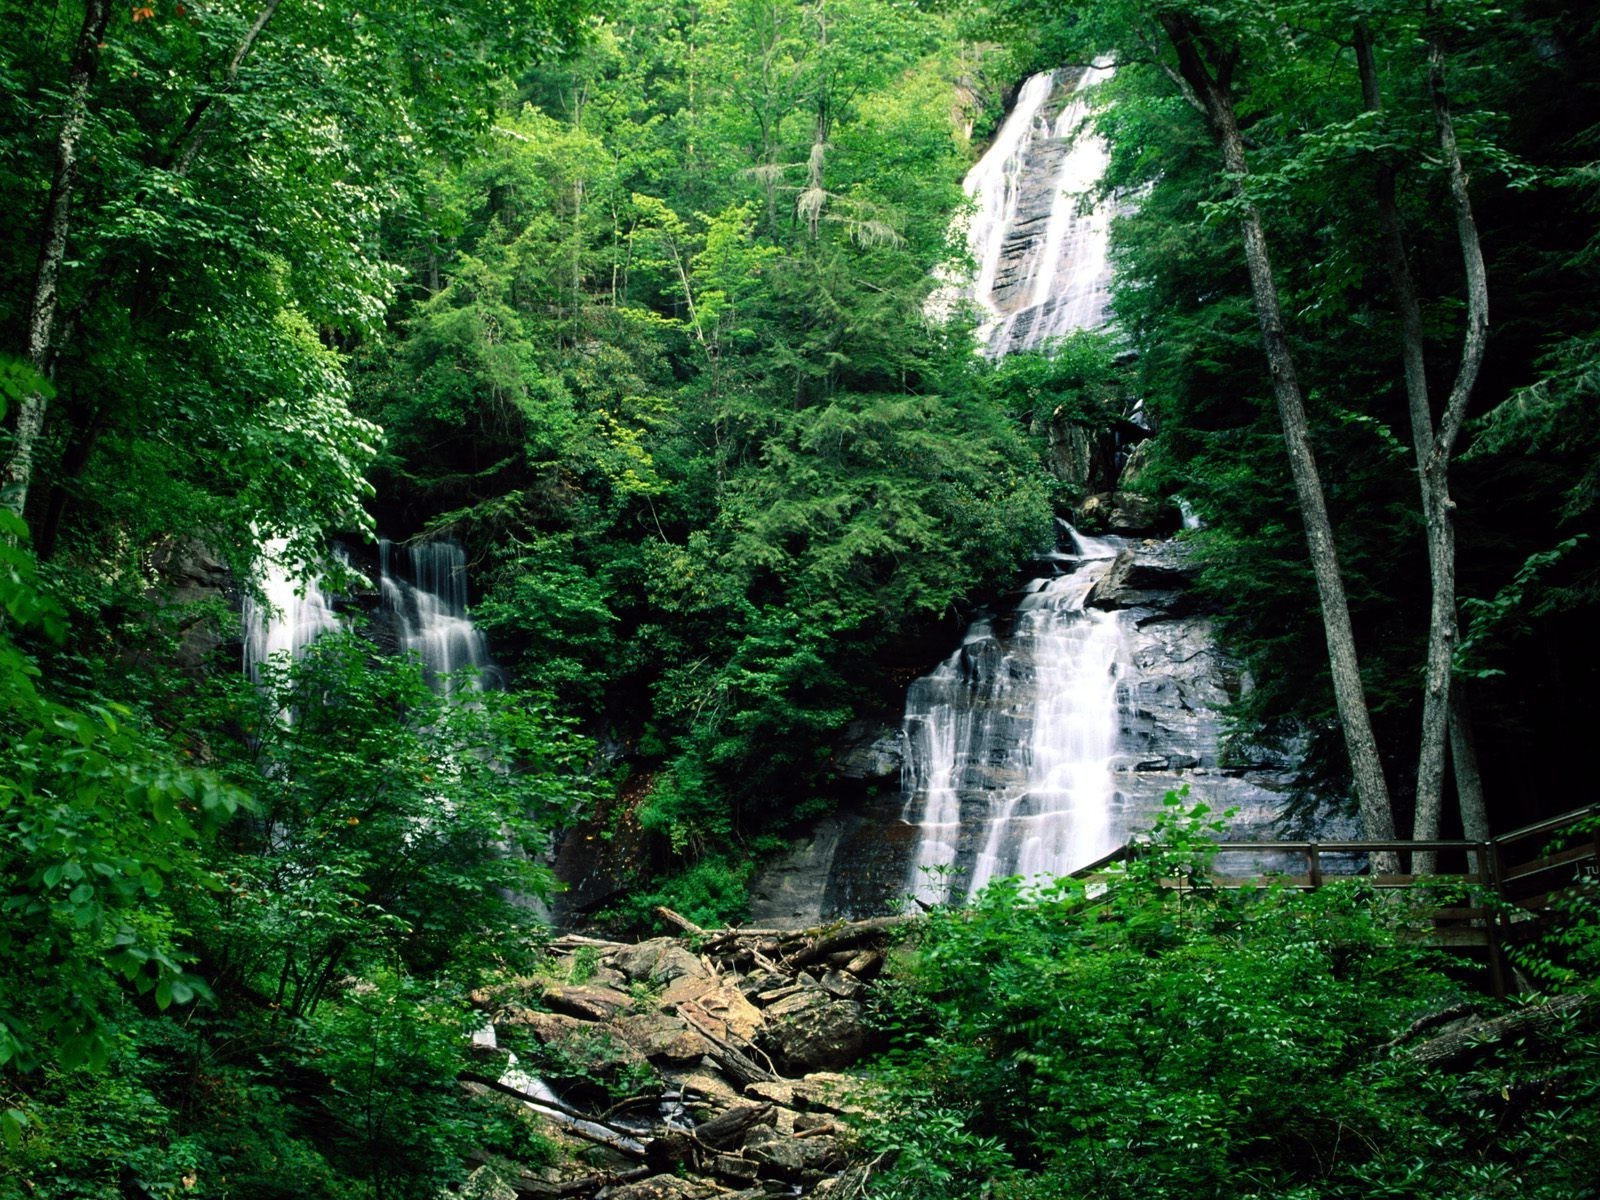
[1010, 741]
[423, 588]
[1040, 248]
[429, 608]
[290, 614]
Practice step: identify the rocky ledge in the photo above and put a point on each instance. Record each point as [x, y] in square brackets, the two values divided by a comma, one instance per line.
[704, 1066]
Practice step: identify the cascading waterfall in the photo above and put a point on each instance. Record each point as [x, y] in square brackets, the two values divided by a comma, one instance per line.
[1010, 742]
[430, 612]
[1039, 246]
[423, 588]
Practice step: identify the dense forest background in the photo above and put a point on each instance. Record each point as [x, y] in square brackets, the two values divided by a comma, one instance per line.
[631, 302]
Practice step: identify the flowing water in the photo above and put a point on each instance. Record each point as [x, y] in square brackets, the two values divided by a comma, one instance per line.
[428, 603]
[423, 588]
[1038, 241]
[289, 616]
[1010, 742]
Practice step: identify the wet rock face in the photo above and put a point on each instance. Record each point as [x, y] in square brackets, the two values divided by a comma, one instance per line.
[1173, 684]
[869, 750]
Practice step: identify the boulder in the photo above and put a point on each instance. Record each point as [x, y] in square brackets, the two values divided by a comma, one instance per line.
[662, 1187]
[589, 1003]
[811, 1031]
[662, 1038]
[841, 985]
[484, 1184]
[1127, 513]
[721, 1007]
[703, 1088]
[1143, 579]
[657, 962]
[792, 1157]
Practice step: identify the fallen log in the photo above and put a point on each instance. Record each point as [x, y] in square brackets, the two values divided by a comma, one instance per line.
[734, 1063]
[682, 922]
[578, 1124]
[1450, 1048]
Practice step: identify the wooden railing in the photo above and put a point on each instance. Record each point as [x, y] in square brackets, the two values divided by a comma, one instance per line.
[1512, 876]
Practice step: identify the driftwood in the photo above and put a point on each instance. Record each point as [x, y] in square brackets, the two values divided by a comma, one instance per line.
[1429, 1021]
[531, 1187]
[817, 941]
[578, 1124]
[727, 1132]
[734, 1062]
[682, 922]
[1450, 1048]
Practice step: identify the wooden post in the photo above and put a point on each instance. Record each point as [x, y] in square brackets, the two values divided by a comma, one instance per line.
[1314, 864]
[1500, 921]
[1491, 902]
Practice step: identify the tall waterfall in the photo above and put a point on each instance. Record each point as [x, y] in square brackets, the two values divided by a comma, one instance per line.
[1040, 247]
[1010, 742]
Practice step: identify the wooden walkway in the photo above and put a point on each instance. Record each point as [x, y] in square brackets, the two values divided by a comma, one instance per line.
[1507, 881]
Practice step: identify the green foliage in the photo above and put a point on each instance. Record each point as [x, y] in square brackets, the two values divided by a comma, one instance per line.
[1132, 1035]
[99, 824]
[711, 893]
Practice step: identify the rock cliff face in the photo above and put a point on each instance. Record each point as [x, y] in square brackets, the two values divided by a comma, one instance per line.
[1172, 685]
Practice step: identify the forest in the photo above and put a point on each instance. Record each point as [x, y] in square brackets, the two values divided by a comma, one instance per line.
[632, 302]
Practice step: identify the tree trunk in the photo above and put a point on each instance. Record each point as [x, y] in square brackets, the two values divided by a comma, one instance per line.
[1464, 766]
[18, 474]
[1433, 444]
[1211, 83]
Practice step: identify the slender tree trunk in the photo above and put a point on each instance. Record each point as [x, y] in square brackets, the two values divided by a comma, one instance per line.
[1433, 444]
[17, 476]
[197, 127]
[1211, 84]
[1464, 764]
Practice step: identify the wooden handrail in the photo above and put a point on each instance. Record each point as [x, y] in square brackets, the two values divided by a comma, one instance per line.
[1488, 863]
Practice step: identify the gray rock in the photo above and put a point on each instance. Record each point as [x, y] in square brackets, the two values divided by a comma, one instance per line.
[588, 1003]
[1127, 513]
[662, 1038]
[842, 986]
[869, 750]
[812, 1031]
[657, 962]
[661, 1187]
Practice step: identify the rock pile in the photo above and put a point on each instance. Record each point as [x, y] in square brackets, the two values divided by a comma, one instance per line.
[685, 1069]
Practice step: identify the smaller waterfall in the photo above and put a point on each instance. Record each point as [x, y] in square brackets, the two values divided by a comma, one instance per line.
[290, 615]
[429, 608]
[1010, 740]
[424, 592]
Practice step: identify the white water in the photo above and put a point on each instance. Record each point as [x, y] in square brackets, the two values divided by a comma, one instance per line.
[1010, 741]
[290, 616]
[1039, 246]
[424, 591]
[429, 607]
